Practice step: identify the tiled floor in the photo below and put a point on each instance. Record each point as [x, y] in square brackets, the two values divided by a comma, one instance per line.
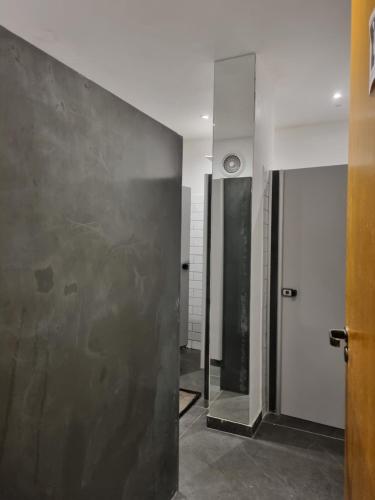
[225, 404]
[191, 375]
[279, 463]
[230, 406]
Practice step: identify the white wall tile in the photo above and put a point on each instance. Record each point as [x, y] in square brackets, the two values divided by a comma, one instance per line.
[196, 250]
[196, 259]
[195, 301]
[196, 268]
[196, 216]
[197, 233]
[196, 225]
[197, 328]
[197, 207]
[195, 345]
[195, 318]
[196, 242]
[195, 336]
[196, 284]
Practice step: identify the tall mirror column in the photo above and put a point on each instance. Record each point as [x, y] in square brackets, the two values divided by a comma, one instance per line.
[231, 200]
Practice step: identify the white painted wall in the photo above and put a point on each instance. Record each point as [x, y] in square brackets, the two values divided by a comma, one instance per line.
[195, 165]
[194, 168]
[319, 145]
[263, 157]
[217, 269]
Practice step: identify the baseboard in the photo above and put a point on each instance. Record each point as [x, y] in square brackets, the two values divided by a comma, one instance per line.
[236, 428]
[299, 424]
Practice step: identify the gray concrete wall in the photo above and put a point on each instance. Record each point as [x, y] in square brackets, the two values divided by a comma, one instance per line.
[89, 286]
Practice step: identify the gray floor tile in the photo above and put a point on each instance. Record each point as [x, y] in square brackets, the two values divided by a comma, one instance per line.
[231, 406]
[193, 381]
[280, 463]
[214, 465]
[190, 417]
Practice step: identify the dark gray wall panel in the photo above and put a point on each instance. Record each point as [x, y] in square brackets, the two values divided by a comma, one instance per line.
[236, 285]
[89, 286]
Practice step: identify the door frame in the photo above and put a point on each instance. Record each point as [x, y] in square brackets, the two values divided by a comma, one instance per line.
[275, 310]
[205, 336]
[275, 313]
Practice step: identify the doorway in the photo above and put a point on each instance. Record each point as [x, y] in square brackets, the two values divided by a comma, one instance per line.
[310, 374]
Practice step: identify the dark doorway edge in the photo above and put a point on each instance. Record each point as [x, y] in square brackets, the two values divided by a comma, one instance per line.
[208, 293]
[274, 292]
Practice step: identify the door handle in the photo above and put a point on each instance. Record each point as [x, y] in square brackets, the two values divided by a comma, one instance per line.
[289, 292]
[185, 266]
[335, 338]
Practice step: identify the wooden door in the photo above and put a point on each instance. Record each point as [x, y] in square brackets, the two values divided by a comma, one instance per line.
[360, 294]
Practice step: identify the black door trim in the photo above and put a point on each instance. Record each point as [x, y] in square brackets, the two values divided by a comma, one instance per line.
[208, 292]
[274, 292]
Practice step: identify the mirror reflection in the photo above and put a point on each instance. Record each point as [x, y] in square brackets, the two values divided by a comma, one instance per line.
[234, 97]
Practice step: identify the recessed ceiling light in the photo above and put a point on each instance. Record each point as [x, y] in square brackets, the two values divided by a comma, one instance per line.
[205, 117]
[337, 96]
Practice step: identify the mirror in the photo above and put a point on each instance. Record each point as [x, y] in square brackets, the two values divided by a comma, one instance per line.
[231, 197]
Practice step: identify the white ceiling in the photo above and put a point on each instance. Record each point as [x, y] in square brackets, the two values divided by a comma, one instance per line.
[158, 54]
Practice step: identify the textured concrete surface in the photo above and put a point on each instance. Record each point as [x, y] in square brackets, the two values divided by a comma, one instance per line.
[89, 278]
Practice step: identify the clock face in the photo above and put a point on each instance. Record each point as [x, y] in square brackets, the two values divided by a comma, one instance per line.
[232, 164]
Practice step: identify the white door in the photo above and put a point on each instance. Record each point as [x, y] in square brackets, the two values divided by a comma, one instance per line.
[313, 263]
[185, 252]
